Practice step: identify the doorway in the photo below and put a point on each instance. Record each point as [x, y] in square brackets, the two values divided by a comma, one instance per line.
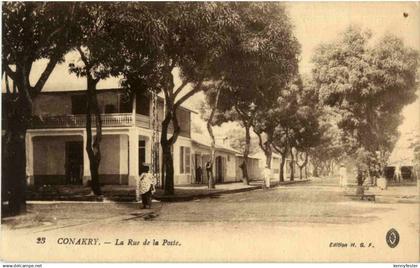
[199, 169]
[219, 169]
[74, 162]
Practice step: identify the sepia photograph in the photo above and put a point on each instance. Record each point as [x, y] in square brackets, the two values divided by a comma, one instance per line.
[280, 132]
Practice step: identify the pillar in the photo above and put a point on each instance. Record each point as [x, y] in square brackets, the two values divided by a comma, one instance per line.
[86, 167]
[29, 159]
[133, 156]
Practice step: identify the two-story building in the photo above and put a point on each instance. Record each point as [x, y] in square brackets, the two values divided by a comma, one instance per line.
[56, 141]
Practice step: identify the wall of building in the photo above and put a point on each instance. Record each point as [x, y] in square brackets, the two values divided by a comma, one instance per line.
[275, 166]
[49, 159]
[52, 104]
[114, 159]
[252, 168]
[61, 103]
[186, 177]
[49, 156]
[230, 166]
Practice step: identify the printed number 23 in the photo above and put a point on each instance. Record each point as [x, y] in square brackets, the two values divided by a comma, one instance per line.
[40, 240]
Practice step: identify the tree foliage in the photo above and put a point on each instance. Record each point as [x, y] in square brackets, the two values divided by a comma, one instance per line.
[369, 83]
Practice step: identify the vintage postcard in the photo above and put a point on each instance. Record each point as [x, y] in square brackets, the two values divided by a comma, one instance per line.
[210, 132]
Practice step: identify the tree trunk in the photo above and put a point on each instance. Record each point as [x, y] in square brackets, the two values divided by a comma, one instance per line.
[15, 161]
[282, 163]
[315, 171]
[268, 152]
[292, 162]
[211, 179]
[246, 153]
[299, 156]
[170, 116]
[213, 141]
[19, 112]
[93, 149]
[169, 168]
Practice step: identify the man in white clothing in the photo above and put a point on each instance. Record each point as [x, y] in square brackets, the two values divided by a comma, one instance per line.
[267, 176]
[343, 175]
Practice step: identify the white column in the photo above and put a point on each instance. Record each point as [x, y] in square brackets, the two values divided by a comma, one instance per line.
[133, 156]
[86, 167]
[29, 159]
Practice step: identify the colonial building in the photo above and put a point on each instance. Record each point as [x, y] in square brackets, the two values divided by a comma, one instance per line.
[56, 141]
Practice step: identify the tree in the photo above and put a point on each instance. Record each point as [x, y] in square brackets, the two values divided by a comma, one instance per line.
[31, 31]
[100, 32]
[368, 84]
[332, 145]
[200, 42]
[236, 136]
[265, 60]
[193, 38]
[208, 113]
[276, 57]
[306, 132]
[286, 123]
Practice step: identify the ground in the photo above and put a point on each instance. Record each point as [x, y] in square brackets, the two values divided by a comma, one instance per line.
[290, 223]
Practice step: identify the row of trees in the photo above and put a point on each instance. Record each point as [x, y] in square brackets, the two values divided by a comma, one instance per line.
[243, 56]
[348, 110]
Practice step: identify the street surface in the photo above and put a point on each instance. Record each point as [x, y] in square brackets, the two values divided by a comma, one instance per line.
[288, 223]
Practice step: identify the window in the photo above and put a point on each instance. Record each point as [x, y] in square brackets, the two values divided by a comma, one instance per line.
[78, 104]
[110, 108]
[181, 160]
[125, 103]
[228, 157]
[184, 121]
[142, 105]
[187, 160]
[184, 160]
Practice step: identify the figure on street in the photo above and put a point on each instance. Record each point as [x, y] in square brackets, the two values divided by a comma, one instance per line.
[267, 177]
[145, 187]
[343, 176]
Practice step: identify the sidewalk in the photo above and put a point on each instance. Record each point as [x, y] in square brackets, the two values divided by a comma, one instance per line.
[393, 194]
[396, 194]
[191, 192]
[124, 193]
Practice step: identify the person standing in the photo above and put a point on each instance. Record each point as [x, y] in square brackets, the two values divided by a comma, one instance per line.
[145, 187]
[199, 174]
[209, 171]
[397, 173]
[267, 177]
[343, 175]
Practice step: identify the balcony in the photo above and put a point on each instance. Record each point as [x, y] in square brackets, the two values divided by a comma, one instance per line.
[79, 121]
[108, 120]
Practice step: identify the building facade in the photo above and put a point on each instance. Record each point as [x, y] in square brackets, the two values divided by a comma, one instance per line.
[56, 141]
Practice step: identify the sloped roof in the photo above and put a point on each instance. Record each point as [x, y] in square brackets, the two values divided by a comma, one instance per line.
[260, 155]
[402, 156]
[249, 156]
[206, 142]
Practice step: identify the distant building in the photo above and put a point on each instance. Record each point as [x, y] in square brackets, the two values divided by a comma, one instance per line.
[275, 165]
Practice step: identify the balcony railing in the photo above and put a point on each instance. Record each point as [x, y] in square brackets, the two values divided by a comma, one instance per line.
[79, 121]
[108, 120]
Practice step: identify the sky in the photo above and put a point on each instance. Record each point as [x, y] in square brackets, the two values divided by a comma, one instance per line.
[314, 23]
